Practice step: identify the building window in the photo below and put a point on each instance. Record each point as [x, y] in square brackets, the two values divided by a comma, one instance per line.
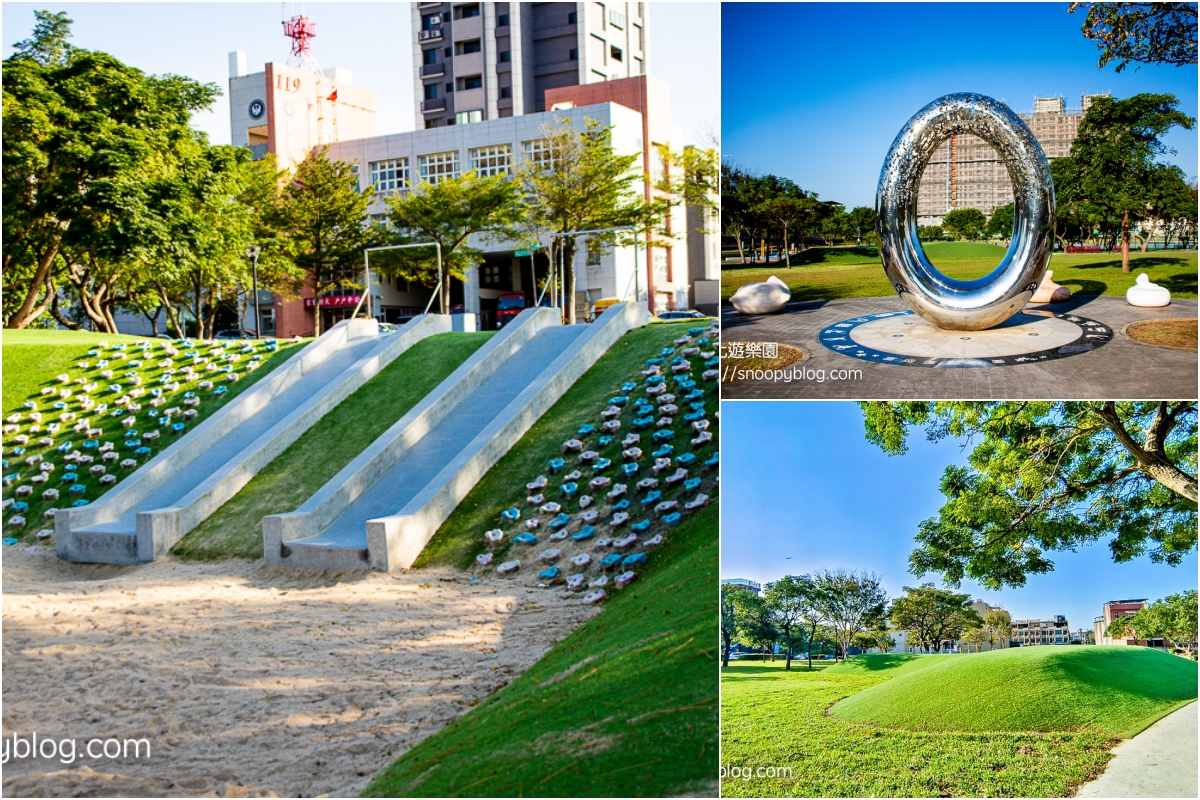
[505, 92]
[572, 18]
[616, 19]
[431, 123]
[538, 154]
[573, 55]
[494, 160]
[429, 57]
[470, 82]
[616, 54]
[449, 52]
[431, 91]
[501, 20]
[437, 167]
[472, 46]
[661, 275]
[466, 12]
[466, 117]
[505, 56]
[449, 88]
[595, 254]
[431, 22]
[489, 275]
[391, 176]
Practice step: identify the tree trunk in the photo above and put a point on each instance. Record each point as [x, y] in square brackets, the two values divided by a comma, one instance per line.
[569, 274]
[1125, 242]
[26, 313]
[741, 250]
[172, 316]
[787, 258]
[58, 315]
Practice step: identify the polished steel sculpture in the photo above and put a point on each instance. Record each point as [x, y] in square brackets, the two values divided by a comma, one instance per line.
[988, 301]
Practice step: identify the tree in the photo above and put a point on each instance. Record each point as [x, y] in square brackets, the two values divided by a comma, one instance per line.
[788, 601]
[862, 225]
[583, 184]
[964, 223]
[1050, 476]
[1112, 165]
[449, 212]
[976, 637]
[323, 215]
[931, 233]
[997, 626]
[848, 602]
[729, 617]
[788, 213]
[1001, 221]
[835, 224]
[88, 142]
[1173, 617]
[1142, 33]
[932, 616]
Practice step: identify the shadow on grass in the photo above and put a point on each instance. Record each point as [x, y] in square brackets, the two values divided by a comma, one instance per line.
[1135, 264]
[813, 255]
[1180, 283]
[880, 661]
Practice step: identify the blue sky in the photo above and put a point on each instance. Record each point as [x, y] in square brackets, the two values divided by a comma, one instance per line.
[816, 92]
[372, 40]
[799, 481]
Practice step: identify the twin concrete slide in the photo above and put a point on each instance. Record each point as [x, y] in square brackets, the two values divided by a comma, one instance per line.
[380, 511]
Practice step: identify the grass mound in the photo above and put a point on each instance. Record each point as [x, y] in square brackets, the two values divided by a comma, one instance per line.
[235, 530]
[626, 706]
[886, 665]
[33, 359]
[1114, 691]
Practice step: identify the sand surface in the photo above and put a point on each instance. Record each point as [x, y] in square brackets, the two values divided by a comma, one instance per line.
[250, 680]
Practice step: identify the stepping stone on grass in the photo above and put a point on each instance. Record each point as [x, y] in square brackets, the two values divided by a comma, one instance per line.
[624, 579]
[619, 519]
[494, 537]
[508, 567]
[576, 583]
[597, 596]
[483, 559]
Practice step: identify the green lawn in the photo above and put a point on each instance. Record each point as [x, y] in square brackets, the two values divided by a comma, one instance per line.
[235, 531]
[829, 273]
[1113, 691]
[626, 706]
[459, 539]
[32, 359]
[779, 720]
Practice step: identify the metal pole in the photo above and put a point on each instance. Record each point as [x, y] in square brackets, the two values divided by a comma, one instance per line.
[257, 311]
[367, 270]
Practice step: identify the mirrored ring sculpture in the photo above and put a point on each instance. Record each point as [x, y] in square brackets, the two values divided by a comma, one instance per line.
[985, 302]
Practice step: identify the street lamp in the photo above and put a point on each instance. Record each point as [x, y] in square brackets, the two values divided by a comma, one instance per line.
[252, 253]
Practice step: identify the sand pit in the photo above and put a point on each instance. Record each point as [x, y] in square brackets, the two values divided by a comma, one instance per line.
[250, 680]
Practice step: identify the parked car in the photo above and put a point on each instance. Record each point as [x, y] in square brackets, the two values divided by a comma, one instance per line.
[388, 327]
[667, 316]
[234, 334]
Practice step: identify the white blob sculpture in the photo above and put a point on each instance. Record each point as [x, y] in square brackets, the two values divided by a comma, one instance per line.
[1145, 294]
[768, 297]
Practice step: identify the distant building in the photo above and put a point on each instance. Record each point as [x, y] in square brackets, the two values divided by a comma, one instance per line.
[982, 609]
[1027, 632]
[1114, 609]
[967, 172]
[751, 585]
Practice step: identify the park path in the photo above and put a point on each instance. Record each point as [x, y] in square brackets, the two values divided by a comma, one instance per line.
[1158, 762]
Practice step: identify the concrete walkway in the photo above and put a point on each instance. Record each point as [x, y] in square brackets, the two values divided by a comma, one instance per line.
[1158, 762]
[1121, 369]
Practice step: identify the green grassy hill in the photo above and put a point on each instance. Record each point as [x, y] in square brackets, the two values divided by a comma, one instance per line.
[626, 705]
[885, 665]
[1116, 691]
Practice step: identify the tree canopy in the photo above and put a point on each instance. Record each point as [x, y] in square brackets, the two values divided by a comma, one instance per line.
[932, 616]
[964, 223]
[1047, 476]
[1141, 33]
[1174, 617]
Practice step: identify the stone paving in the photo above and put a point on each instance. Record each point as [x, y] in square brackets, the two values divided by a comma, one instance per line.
[1121, 369]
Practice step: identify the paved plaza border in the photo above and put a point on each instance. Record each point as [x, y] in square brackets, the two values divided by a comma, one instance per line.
[1122, 369]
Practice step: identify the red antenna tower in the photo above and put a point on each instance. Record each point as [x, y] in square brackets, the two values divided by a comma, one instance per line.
[300, 29]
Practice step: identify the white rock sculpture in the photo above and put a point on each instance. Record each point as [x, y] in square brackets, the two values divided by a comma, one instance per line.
[1050, 292]
[768, 297]
[1145, 294]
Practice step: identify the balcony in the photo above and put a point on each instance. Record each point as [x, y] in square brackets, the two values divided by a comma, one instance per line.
[433, 35]
[429, 106]
[468, 28]
[433, 70]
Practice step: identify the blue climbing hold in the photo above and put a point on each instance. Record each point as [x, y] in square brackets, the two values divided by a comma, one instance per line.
[586, 532]
[713, 362]
[642, 422]
[90, 444]
[177, 427]
[8, 541]
[69, 477]
[585, 431]
[640, 526]
[651, 498]
[556, 464]
[667, 351]
[654, 362]
[654, 380]
[672, 519]
[561, 521]
[628, 386]
[618, 401]
[525, 538]
[77, 488]
[630, 469]
[65, 447]
[20, 505]
[549, 573]
[570, 488]
[129, 444]
[142, 452]
[664, 435]
[602, 464]
[695, 331]
[612, 559]
[510, 514]
[633, 558]
[663, 451]
[691, 483]
[605, 440]
[621, 504]
[696, 406]
[80, 503]
[713, 460]
[694, 394]
[686, 384]
[692, 417]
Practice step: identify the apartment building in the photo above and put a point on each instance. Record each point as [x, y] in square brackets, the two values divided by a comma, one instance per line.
[481, 61]
[1114, 609]
[966, 172]
[1027, 632]
[746, 583]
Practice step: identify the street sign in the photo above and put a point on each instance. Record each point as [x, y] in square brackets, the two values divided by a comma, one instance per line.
[528, 252]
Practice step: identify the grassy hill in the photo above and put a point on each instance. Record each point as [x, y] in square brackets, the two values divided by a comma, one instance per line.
[828, 273]
[1114, 691]
[625, 706]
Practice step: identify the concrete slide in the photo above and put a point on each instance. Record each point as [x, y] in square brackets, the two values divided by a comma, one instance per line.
[381, 510]
[147, 513]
